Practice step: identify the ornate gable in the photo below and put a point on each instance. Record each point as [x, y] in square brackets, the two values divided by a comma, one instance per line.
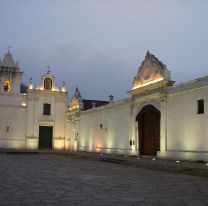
[76, 101]
[48, 82]
[151, 72]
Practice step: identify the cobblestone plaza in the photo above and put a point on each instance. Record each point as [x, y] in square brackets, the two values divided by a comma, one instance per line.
[49, 179]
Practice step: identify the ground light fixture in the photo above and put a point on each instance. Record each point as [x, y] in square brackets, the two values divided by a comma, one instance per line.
[177, 161]
[207, 164]
[153, 159]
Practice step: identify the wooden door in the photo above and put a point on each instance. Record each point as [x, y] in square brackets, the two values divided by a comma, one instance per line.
[149, 130]
[45, 137]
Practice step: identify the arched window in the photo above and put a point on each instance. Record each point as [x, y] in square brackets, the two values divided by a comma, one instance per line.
[48, 84]
[7, 86]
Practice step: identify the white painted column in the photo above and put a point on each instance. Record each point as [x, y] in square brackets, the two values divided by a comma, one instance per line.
[163, 128]
[134, 131]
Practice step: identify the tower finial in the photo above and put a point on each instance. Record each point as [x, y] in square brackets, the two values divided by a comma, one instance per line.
[63, 89]
[30, 86]
[148, 55]
[48, 69]
[9, 47]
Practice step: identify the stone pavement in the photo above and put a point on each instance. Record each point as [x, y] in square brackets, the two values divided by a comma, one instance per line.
[197, 168]
[52, 179]
[186, 167]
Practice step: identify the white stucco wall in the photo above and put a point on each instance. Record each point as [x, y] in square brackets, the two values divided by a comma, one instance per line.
[186, 131]
[183, 132]
[36, 99]
[116, 132]
[12, 121]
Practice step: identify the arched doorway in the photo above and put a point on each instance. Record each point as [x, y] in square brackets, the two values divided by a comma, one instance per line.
[149, 130]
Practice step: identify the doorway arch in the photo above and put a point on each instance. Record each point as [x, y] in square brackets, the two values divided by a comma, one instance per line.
[149, 130]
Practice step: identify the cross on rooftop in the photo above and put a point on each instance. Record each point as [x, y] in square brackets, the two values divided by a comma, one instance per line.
[48, 71]
[9, 47]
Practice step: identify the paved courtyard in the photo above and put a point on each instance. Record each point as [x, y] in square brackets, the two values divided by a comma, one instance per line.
[49, 179]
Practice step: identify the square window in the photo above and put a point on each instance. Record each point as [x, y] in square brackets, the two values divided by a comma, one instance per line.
[200, 106]
[46, 109]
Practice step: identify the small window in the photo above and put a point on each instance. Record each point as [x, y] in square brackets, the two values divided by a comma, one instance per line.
[48, 84]
[46, 109]
[7, 86]
[200, 106]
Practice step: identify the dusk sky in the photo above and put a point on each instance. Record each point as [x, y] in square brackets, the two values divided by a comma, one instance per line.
[98, 45]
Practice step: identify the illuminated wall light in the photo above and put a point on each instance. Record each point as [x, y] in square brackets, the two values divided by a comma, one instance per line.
[24, 104]
[32, 143]
[39, 88]
[177, 161]
[148, 83]
[90, 143]
[207, 164]
[153, 159]
[58, 144]
[98, 150]
[55, 89]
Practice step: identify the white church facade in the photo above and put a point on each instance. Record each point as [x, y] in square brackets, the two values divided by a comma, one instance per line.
[33, 119]
[160, 118]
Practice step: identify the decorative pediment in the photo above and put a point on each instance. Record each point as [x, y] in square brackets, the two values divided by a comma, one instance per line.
[76, 101]
[152, 71]
[48, 82]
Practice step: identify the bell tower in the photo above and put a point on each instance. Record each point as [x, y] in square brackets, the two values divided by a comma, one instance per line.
[10, 75]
